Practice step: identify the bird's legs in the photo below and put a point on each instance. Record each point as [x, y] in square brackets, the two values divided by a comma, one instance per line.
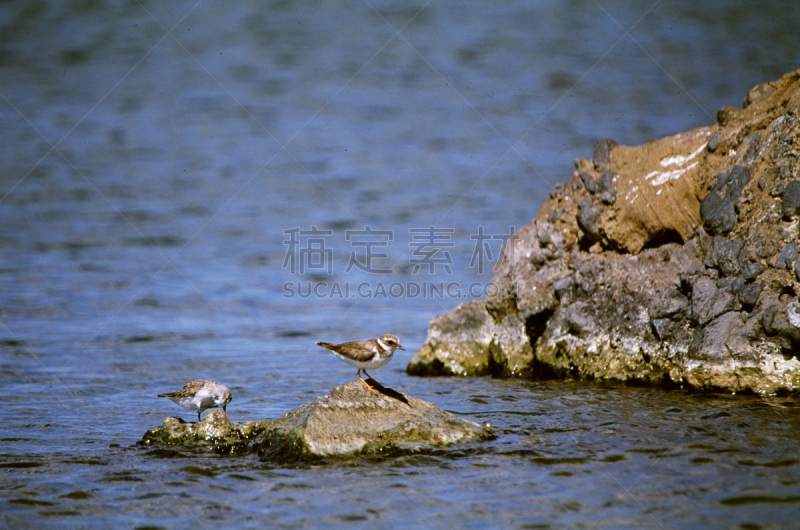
[358, 374]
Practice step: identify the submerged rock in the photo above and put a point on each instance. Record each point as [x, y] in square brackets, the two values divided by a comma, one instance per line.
[216, 431]
[347, 421]
[672, 263]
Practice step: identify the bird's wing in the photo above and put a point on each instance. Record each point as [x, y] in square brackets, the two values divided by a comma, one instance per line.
[189, 389]
[359, 350]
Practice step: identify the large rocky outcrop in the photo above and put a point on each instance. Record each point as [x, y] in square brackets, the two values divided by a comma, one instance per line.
[347, 421]
[671, 263]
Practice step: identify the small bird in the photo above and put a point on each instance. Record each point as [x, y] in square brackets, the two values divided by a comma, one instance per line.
[201, 394]
[363, 354]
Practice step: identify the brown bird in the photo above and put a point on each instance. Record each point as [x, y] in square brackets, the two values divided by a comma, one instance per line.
[363, 354]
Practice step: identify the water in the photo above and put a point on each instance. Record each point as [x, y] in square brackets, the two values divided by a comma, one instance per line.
[157, 160]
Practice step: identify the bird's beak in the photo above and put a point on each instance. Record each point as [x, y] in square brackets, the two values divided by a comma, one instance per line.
[223, 407]
[401, 347]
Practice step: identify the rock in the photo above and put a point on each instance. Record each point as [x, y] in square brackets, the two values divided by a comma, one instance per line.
[215, 432]
[511, 351]
[713, 142]
[349, 420]
[458, 343]
[713, 365]
[787, 257]
[665, 283]
[749, 294]
[579, 319]
[726, 255]
[752, 269]
[790, 200]
[668, 304]
[601, 157]
[718, 207]
[589, 182]
[605, 186]
[708, 301]
[587, 218]
[726, 114]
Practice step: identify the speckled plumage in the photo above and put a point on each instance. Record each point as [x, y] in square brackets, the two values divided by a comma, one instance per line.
[201, 394]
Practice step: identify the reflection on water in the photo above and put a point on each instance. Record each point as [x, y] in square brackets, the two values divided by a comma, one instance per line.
[157, 160]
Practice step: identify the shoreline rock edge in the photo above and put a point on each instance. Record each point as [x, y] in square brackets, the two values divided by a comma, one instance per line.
[673, 263]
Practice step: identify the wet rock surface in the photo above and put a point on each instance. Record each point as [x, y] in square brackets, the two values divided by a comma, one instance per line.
[673, 263]
[347, 421]
[350, 420]
[215, 432]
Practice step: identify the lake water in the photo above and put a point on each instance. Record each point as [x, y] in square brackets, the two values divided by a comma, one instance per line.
[197, 190]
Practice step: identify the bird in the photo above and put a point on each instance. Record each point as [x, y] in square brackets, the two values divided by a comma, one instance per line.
[363, 354]
[201, 394]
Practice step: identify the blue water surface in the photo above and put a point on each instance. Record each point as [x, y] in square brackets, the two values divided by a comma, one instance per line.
[203, 190]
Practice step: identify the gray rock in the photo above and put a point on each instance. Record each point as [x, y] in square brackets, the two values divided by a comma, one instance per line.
[736, 285]
[662, 328]
[606, 182]
[720, 337]
[708, 301]
[589, 182]
[563, 287]
[718, 213]
[727, 358]
[601, 156]
[350, 420]
[587, 219]
[580, 318]
[718, 207]
[511, 349]
[458, 343]
[752, 269]
[787, 257]
[726, 255]
[608, 195]
[790, 201]
[713, 142]
[669, 303]
[748, 295]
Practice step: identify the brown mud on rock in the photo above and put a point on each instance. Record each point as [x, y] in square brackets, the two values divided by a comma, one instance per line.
[672, 263]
